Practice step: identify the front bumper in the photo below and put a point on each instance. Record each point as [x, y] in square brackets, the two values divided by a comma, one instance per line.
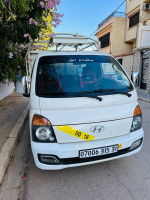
[68, 154]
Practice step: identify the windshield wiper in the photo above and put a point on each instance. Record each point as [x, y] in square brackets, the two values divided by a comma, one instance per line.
[109, 90]
[72, 93]
[93, 97]
[124, 93]
[80, 94]
[105, 90]
[97, 91]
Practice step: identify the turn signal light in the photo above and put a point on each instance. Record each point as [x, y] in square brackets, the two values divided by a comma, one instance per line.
[137, 111]
[39, 120]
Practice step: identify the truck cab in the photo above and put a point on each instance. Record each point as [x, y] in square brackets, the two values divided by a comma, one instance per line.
[83, 109]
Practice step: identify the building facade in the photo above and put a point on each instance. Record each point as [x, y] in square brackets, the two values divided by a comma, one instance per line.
[129, 39]
[111, 34]
[138, 34]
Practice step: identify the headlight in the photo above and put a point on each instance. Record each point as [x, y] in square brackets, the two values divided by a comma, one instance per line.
[137, 123]
[137, 119]
[42, 130]
[43, 133]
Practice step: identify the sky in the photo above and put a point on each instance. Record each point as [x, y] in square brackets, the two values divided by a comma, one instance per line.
[83, 16]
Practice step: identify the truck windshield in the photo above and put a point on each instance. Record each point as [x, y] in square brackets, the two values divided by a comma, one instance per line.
[80, 75]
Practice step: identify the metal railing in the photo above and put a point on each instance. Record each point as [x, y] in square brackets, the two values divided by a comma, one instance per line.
[62, 40]
[114, 14]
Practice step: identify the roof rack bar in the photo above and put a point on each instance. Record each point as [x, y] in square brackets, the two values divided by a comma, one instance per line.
[63, 40]
[86, 47]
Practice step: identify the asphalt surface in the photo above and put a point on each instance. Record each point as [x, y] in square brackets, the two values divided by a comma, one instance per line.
[123, 179]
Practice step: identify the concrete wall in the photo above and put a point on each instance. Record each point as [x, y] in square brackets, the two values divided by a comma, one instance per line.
[132, 4]
[116, 27]
[143, 35]
[139, 35]
[107, 50]
[119, 47]
[148, 82]
[6, 89]
[137, 61]
[132, 7]
[104, 29]
[127, 64]
[131, 32]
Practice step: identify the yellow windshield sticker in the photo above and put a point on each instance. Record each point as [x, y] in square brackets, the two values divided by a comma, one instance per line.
[75, 132]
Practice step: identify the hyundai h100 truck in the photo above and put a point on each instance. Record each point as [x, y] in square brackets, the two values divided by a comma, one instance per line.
[83, 106]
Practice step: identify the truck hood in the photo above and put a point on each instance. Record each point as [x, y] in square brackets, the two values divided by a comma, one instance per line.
[79, 110]
[83, 119]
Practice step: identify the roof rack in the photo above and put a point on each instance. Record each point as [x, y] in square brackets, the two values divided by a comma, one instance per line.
[59, 42]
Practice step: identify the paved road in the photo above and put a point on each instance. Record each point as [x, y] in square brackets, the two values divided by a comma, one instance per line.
[122, 179]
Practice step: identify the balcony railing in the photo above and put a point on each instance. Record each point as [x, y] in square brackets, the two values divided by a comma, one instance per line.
[114, 14]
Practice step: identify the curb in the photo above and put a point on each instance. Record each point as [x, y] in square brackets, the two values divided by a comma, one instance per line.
[9, 146]
[142, 99]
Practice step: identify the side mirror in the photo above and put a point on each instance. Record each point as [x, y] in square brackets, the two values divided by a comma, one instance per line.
[135, 78]
[21, 85]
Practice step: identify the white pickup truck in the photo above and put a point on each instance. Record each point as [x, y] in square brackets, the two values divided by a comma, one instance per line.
[83, 106]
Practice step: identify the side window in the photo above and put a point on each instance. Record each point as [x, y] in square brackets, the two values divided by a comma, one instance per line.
[111, 71]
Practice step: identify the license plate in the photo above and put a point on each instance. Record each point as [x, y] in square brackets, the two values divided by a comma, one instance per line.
[98, 151]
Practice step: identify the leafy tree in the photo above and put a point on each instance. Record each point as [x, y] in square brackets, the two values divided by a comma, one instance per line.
[21, 21]
[47, 31]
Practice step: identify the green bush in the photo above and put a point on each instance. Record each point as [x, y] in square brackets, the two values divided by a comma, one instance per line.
[16, 31]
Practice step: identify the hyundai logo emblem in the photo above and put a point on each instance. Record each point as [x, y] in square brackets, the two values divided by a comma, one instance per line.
[97, 129]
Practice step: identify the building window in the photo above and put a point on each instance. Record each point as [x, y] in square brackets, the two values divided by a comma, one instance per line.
[105, 40]
[134, 20]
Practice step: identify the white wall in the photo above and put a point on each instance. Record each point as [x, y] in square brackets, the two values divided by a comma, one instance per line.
[143, 36]
[127, 63]
[6, 89]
